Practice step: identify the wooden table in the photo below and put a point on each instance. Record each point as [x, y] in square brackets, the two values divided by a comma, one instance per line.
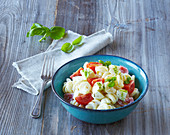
[141, 31]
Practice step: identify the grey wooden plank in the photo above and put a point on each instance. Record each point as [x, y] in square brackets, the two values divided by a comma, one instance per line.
[16, 17]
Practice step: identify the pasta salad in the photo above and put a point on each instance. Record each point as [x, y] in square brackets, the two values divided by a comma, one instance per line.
[100, 85]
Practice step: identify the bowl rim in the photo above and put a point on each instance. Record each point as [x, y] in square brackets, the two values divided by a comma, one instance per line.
[107, 110]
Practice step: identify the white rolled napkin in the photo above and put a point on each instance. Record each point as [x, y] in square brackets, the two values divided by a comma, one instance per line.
[30, 68]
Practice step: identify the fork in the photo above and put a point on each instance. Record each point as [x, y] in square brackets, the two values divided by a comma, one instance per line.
[46, 75]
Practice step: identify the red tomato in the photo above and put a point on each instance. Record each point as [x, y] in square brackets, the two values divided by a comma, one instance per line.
[68, 97]
[123, 69]
[97, 80]
[129, 87]
[92, 65]
[90, 80]
[92, 68]
[84, 99]
[77, 73]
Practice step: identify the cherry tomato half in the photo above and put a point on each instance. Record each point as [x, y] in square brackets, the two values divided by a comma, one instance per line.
[97, 80]
[84, 99]
[90, 80]
[92, 65]
[77, 73]
[129, 87]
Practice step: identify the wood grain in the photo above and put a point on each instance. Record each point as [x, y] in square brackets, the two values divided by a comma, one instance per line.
[141, 33]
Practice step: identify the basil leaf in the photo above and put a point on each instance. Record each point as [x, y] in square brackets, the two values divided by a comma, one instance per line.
[28, 33]
[36, 25]
[67, 47]
[57, 32]
[77, 41]
[37, 31]
[46, 29]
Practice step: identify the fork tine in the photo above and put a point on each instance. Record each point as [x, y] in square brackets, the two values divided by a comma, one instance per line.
[52, 67]
[44, 66]
[48, 67]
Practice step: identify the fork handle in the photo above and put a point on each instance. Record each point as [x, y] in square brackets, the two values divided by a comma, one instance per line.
[36, 112]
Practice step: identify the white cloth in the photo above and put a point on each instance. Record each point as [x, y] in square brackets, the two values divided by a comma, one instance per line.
[30, 68]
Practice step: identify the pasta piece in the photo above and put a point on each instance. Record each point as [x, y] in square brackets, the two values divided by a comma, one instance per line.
[98, 95]
[124, 76]
[109, 76]
[85, 65]
[118, 83]
[74, 102]
[76, 82]
[135, 93]
[133, 77]
[87, 73]
[76, 93]
[106, 74]
[78, 79]
[112, 97]
[113, 69]
[106, 101]
[109, 89]
[100, 70]
[121, 94]
[98, 86]
[93, 104]
[67, 88]
[96, 91]
[105, 106]
[84, 87]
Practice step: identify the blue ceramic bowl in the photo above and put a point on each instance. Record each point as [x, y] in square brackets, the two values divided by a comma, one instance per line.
[99, 116]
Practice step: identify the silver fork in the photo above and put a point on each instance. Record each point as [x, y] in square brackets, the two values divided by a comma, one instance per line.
[46, 75]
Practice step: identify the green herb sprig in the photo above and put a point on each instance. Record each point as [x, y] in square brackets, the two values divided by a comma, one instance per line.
[69, 47]
[107, 63]
[127, 81]
[111, 81]
[55, 32]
